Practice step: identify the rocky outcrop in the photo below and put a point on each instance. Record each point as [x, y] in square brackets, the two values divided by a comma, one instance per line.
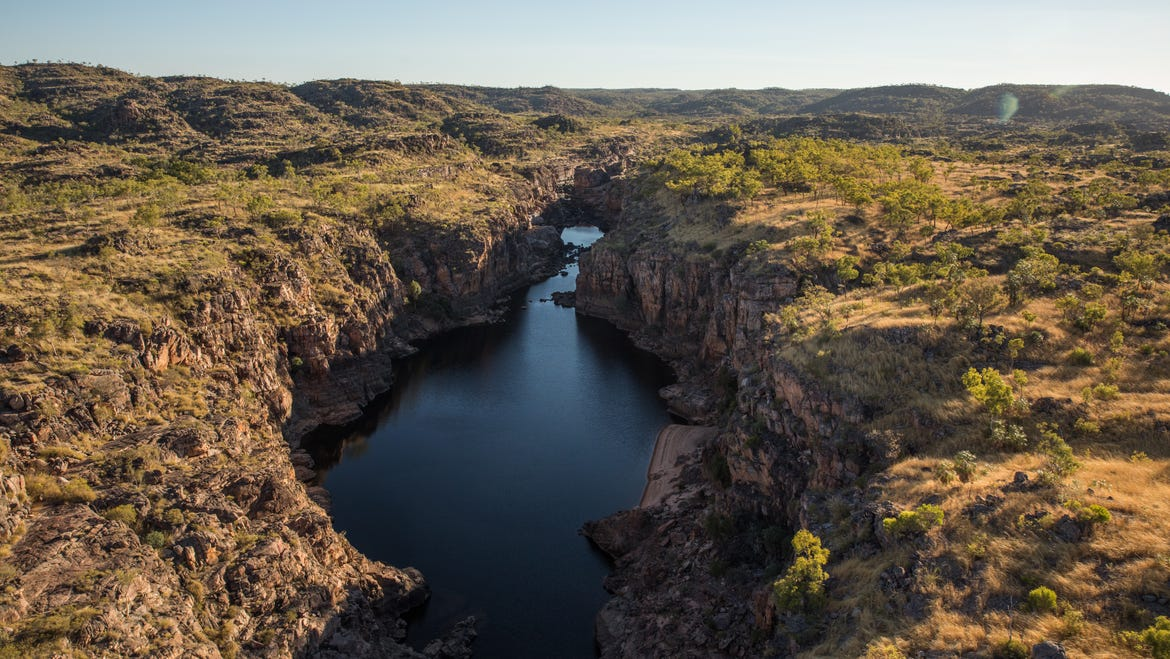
[781, 436]
[194, 534]
[681, 307]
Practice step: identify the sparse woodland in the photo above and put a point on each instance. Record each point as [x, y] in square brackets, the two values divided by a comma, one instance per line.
[985, 304]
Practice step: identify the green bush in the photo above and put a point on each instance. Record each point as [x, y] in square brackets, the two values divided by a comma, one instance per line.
[1080, 357]
[42, 487]
[1008, 436]
[989, 387]
[1156, 638]
[282, 218]
[920, 520]
[965, 465]
[124, 513]
[1081, 314]
[1101, 392]
[1061, 462]
[173, 516]
[156, 539]
[1090, 514]
[1073, 623]
[944, 472]
[1011, 649]
[802, 588]
[1042, 599]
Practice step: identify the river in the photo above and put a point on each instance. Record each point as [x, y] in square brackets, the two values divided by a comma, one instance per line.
[480, 465]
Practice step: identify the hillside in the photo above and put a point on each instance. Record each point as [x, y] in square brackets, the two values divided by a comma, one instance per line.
[196, 273]
[946, 366]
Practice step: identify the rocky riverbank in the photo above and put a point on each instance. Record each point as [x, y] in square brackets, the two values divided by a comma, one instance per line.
[215, 545]
[676, 554]
[152, 492]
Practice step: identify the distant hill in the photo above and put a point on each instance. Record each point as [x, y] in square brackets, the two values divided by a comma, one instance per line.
[1072, 104]
[900, 99]
[44, 102]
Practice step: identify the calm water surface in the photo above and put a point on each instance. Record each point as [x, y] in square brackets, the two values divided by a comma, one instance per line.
[494, 446]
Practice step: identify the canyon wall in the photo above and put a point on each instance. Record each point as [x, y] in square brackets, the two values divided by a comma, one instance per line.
[210, 543]
[783, 443]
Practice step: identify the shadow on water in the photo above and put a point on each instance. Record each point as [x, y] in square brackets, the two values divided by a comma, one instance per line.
[481, 463]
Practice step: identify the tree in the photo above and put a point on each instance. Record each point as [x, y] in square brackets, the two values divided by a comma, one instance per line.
[976, 299]
[807, 249]
[1141, 266]
[802, 588]
[921, 169]
[853, 191]
[951, 263]
[989, 387]
[1035, 272]
[720, 175]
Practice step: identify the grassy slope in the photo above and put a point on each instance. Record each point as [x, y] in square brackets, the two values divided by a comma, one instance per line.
[878, 346]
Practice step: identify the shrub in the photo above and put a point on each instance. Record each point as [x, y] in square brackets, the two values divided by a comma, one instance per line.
[1011, 649]
[802, 588]
[1101, 392]
[1082, 315]
[1080, 357]
[989, 387]
[124, 513]
[173, 516]
[883, 649]
[1008, 436]
[1042, 599]
[1073, 623]
[156, 539]
[965, 465]
[1155, 638]
[1090, 514]
[42, 487]
[944, 472]
[1061, 462]
[1086, 426]
[282, 218]
[920, 520]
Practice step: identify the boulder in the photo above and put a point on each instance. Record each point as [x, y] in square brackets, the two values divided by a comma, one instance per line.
[1048, 650]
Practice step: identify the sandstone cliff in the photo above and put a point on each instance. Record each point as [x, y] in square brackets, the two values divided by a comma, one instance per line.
[152, 492]
[246, 560]
[782, 440]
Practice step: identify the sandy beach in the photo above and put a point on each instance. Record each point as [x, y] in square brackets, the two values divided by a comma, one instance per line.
[674, 441]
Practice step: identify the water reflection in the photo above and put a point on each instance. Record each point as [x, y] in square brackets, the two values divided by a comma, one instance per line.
[481, 463]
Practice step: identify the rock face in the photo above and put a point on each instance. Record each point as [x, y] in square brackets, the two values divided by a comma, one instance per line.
[784, 438]
[197, 537]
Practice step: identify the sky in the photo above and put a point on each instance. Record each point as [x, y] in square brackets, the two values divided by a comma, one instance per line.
[747, 44]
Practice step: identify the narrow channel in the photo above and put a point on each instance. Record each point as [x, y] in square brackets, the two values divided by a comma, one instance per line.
[493, 447]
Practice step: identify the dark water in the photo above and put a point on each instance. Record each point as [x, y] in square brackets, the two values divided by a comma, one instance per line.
[481, 464]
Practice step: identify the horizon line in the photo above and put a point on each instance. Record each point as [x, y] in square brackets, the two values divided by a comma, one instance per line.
[39, 62]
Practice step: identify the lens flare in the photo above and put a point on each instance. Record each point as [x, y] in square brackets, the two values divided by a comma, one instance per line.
[1008, 106]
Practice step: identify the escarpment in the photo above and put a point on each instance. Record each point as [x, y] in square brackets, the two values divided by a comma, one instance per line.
[153, 498]
[207, 525]
[889, 339]
[707, 318]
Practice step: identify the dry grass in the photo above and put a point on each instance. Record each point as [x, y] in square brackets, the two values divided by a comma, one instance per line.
[1098, 580]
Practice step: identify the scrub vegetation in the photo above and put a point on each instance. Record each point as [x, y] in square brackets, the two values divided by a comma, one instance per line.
[993, 298]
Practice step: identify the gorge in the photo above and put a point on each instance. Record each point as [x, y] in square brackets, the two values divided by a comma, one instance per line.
[494, 445]
[929, 346]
